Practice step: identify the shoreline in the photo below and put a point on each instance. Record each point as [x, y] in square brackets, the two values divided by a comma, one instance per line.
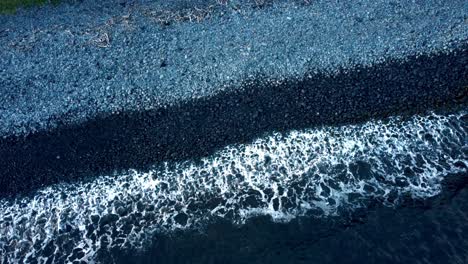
[197, 128]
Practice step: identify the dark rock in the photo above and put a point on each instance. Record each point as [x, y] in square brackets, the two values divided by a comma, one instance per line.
[94, 219]
[121, 211]
[181, 219]
[49, 249]
[460, 164]
[107, 219]
[401, 182]
[126, 228]
[140, 206]
[275, 204]
[77, 254]
[89, 229]
[150, 207]
[361, 170]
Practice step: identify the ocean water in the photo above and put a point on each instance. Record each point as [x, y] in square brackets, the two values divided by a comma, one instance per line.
[320, 174]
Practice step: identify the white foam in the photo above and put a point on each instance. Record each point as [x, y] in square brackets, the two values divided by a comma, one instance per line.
[318, 172]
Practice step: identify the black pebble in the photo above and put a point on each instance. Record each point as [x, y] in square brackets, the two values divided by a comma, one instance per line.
[107, 219]
[181, 218]
[95, 219]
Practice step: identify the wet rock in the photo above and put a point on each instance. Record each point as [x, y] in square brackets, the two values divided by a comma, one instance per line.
[49, 260]
[126, 228]
[94, 219]
[121, 211]
[77, 254]
[41, 221]
[140, 206]
[460, 164]
[181, 219]
[408, 172]
[23, 247]
[31, 259]
[107, 219]
[368, 188]
[361, 169]
[89, 229]
[49, 249]
[401, 182]
[354, 197]
[392, 196]
[276, 204]
[150, 207]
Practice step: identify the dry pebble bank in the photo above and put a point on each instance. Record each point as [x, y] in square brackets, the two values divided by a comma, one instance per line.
[68, 64]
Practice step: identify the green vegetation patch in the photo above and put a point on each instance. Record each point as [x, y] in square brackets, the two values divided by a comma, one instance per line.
[10, 6]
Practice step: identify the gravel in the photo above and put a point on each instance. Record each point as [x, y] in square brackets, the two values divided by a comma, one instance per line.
[78, 61]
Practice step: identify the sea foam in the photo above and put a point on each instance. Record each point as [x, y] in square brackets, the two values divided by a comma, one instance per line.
[315, 172]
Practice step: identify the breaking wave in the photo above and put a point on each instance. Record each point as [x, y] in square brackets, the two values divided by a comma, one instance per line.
[315, 172]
